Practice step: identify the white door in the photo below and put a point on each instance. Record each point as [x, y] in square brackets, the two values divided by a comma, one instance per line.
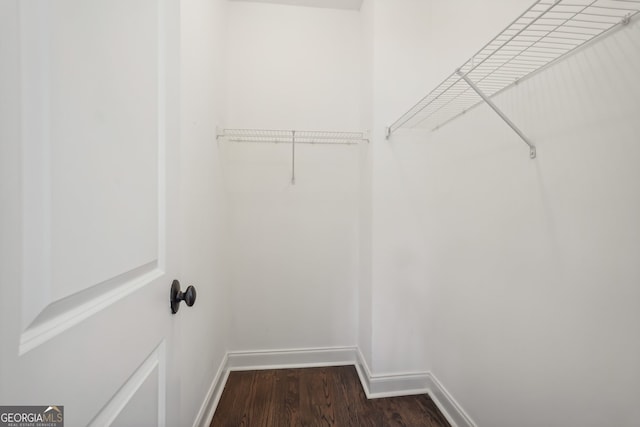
[89, 128]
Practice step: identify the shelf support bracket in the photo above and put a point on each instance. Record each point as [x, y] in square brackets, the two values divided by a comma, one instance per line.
[494, 107]
[293, 157]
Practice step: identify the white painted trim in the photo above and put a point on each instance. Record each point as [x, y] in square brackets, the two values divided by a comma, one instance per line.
[269, 359]
[154, 364]
[363, 372]
[408, 383]
[390, 385]
[210, 403]
[449, 407]
[374, 385]
[78, 311]
[291, 358]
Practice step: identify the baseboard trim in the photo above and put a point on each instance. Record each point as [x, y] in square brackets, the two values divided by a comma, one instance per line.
[375, 386]
[449, 407]
[390, 385]
[290, 358]
[208, 408]
[269, 359]
[408, 383]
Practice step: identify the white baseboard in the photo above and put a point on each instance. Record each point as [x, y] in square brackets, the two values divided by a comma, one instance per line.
[408, 383]
[208, 408]
[375, 386]
[449, 407]
[269, 359]
[292, 358]
[390, 385]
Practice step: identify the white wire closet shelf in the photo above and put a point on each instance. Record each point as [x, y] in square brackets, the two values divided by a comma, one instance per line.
[294, 137]
[297, 136]
[544, 33]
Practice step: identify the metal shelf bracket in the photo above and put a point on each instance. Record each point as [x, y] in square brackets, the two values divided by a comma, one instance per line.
[293, 157]
[494, 107]
[543, 34]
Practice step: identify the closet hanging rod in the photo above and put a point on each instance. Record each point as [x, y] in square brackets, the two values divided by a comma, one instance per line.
[543, 34]
[287, 136]
[294, 137]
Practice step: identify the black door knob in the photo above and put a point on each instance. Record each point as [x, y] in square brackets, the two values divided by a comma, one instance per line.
[176, 295]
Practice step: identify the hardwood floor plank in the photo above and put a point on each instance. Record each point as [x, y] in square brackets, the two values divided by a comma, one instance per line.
[262, 396]
[316, 397]
[316, 406]
[287, 401]
[344, 390]
[405, 411]
[234, 399]
[431, 411]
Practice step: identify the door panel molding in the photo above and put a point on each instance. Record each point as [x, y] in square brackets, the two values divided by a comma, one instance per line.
[155, 364]
[91, 239]
[46, 310]
[61, 315]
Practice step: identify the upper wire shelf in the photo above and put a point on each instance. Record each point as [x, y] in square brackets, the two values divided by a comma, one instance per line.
[299, 136]
[295, 137]
[544, 33]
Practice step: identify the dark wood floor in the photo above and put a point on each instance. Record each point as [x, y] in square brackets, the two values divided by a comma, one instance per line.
[316, 397]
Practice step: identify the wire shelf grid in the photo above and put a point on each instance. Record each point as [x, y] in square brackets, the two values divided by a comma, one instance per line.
[544, 33]
[301, 136]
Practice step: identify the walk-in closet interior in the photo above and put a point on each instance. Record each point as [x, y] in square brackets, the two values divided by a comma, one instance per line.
[443, 193]
[490, 257]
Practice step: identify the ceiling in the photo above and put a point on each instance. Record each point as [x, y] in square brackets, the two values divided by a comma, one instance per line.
[328, 4]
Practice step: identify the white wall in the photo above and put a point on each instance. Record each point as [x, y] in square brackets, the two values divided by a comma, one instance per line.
[535, 275]
[514, 281]
[416, 45]
[400, 67]
[204, 251]
[365, 332]
[294, 248]
[293, 67]
[525, 272]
